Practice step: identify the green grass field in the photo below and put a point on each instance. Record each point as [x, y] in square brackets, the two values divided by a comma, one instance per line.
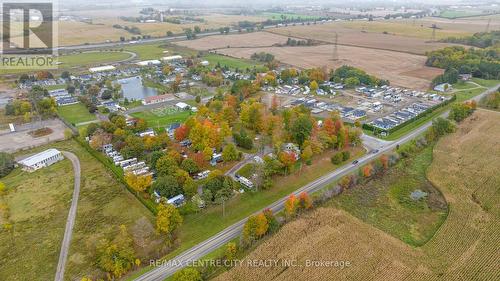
[77, 60]
[38, 205]
[91, 58]
[453, 14]
[232, 63]
[154, 120]
[75, 113]
[385, 202]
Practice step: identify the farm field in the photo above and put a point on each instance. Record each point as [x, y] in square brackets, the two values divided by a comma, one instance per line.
[75, 113]
[370, 35]
[38, 205]
[253, 39]
[464, 247]
[231, 62]
[161, 117]
[400, 69]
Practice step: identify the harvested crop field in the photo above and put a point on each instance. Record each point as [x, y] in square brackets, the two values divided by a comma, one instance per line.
[400, 69]
[464, 248]
[254, 39]
[357, 35]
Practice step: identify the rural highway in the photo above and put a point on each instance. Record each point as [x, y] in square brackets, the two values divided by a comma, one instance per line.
[70, 222]
[163, 271]
[155, 40]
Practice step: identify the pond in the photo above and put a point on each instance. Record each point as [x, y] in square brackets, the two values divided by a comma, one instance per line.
[133, 89]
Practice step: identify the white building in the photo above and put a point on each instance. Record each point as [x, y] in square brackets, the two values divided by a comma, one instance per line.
[182, 106]
[148, 62]
[101, 68]
[42, 159]
[172, 58]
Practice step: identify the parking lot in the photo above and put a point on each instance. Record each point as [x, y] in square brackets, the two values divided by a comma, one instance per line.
[20, 140]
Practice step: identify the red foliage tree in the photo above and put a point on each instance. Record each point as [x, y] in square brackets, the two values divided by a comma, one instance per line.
[181, 133]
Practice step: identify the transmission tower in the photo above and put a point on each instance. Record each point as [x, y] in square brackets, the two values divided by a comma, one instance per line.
[335, 56]
[488, 25]
[434, 27]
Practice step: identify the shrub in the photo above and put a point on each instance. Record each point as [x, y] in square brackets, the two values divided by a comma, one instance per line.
[337, 158]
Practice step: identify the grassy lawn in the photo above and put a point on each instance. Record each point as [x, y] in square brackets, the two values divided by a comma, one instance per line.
[247, 170]
[77, 60]
[147, 51]
[459, 14]
[55, 87]
[90, 58]
[38, 206]
[230, 62]
[200, 226]
[75, 113]
[385, 202]
[160, 121]
[486, 83]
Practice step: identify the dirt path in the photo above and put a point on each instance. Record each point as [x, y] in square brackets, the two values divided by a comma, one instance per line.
[63, 255]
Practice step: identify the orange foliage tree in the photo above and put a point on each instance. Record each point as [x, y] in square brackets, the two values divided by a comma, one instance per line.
[305, 201]
[291, 205]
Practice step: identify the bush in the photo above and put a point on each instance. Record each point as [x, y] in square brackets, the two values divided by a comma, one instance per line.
[346, 155]
[337, 158]
[6, 164]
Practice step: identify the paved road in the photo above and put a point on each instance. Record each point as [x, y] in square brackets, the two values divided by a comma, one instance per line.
[63, 255]
[160, 39]
[195, 253]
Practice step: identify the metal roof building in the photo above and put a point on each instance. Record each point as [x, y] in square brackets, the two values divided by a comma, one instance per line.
[40, 160]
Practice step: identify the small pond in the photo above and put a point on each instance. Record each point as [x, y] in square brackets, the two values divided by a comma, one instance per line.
[133, 89]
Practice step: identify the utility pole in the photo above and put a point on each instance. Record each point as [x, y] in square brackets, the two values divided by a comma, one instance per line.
[488, 26]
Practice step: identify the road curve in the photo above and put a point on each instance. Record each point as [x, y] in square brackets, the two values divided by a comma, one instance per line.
[163, 271]
[70, 222]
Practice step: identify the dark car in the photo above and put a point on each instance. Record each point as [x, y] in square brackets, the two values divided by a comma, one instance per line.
[355, 162]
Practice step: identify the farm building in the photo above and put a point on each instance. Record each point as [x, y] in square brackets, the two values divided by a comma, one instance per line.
[40, 160]
[101, 68]
[182, 106]
[157, 99]
[148, 62]
[445, 87]
[172, 58]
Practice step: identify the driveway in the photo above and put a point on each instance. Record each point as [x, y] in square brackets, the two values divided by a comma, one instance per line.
[70, 222]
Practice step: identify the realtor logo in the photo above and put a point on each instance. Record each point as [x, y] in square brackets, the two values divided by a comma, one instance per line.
[28, 34]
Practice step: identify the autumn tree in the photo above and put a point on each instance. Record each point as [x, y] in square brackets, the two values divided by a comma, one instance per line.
[190, 166]
[230, 153]
[313, 85]
[291, 205]
[187, 274]
[367, 170]
[168, 219]
[304, 202]
[166, 165]
[288, 159]
[255, 227]
[138, 182]
[230, 252]
[181, 133]
[116, 257]
[307, 154]
[99, 139]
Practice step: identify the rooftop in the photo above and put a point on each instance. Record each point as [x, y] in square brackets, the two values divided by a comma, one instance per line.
[32, 160]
